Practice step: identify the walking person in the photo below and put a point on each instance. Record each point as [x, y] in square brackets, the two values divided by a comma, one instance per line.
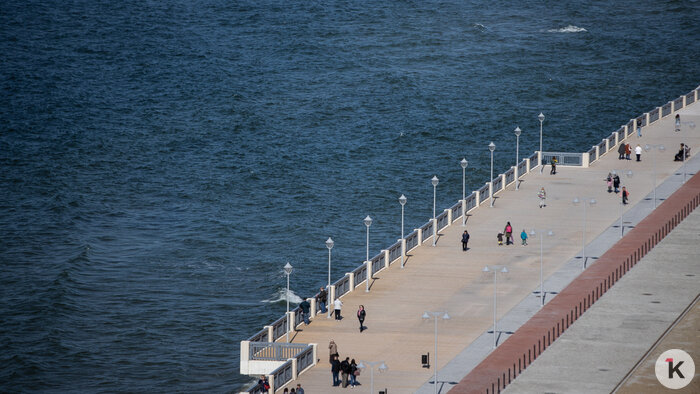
[305, 310]
[345, 371]
[354, 373]
[335, 370]
[628, 151]
[625, 195]
[263, 384]
[337, 306]
[542, 196]
[639, 128]
[553, 171]
[332, 350]
[523, 236]
[638, 152]
[509, 233]
[616, 183]
[300, 390]
[465, 240]
[499, 237]
[322, 298]
[609, 182]
[678, 122]
[621, 152]
[361, 316]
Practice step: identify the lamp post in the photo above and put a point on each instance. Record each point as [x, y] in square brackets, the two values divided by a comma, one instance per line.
[542, 233]
[585, 201]
[464, 163]
[492, 147]
[382, 368]
[660, 148]
[629, 174]
[368, 222]
[427, 315]
[434, 181]
[402, 201]
[329, 245]
[541, 118]
[517, 153]
[495, 270]
[288, 270]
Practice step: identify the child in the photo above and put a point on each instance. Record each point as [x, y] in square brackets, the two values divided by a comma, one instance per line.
[609, 179]
[523, 236]
[500, 239]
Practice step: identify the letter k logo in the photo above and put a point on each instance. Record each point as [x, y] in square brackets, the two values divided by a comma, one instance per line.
[672, 369]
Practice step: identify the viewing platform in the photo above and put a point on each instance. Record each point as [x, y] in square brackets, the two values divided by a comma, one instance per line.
[443, 278]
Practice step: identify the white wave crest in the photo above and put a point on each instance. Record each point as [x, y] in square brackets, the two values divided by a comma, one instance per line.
[281, 295]
[568, 29]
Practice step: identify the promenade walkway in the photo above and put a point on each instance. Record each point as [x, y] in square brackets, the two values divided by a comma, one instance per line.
[443, 278]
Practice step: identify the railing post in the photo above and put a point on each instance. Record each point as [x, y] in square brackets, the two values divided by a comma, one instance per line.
[685, 101]
[295, 373]
[403, 247]
[527, 165]
[646, 114]
[585, 160]
[368, 263]
[271, 381]
[420, 235]
[351, 281]
[539, 158]
[515, 172]
[449, 216]
[490, 188]
[270, 334]
[503, 181]
[331, 297]
[607, 144]
[244, 357]
[290, 320]
[312, 301]
[624, 131]
[477, 197]
[617, 138]
[435, 228]
[386, 258]
[673, 106]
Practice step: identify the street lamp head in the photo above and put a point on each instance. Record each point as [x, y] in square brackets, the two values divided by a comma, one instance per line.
[492, 146]
[361, 366]
[445, 316]
[288, 268]
[368, 221]
[662, 148]
[541, 117]
[592, 202]
[402, 200]
[577, 201]
[550, 233]
[517, 131]
[329, 243]
[425, 316]
[504, 270]
[486, 269]
[383, 367]
[435, 180]
[629, 174]
[533, 232]
[464, 163]
[647, 147]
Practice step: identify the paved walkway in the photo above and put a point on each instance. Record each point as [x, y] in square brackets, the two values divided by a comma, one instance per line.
[443, 278]
[612, 336]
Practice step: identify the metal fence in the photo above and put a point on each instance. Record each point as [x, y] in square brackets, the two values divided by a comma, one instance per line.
[394, 252]
[510, 175]
[279, 328]
[443, 220]
[564, 159]
[592, 156]
[690, 98]
[497, 184]
[678, 103]
[484, 192]
[298, 317]
[630, 128]
[654, 115]
[471, 202]
[427, 230]
[456, 210]
[342, 286]
[305, 359]
[272, 351]
[360, 274]
[261, 336]
[412, 240]
[533, 160]
[283, 374]
[601, 147]
[666, 109]
[522, 168]
[642, 120]
[377, 262]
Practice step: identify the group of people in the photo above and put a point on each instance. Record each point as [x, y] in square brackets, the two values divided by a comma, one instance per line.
[322, 299]
[613, 183]
[508, 233]
[683, 153]
[625, 150]
[264, 386]
[344, 372]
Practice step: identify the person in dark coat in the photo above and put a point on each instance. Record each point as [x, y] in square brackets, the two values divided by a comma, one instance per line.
[305, 310]
[263, 384]
[322, 299]
[335, 370]
[621, 152]
[465, 240]
[345, 371]
[616, 183]
[353, 373]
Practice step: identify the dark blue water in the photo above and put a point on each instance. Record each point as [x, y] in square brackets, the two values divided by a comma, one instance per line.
[161, 161]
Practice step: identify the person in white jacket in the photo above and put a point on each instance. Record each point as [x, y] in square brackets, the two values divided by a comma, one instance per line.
[337, 306]
[638, 152]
